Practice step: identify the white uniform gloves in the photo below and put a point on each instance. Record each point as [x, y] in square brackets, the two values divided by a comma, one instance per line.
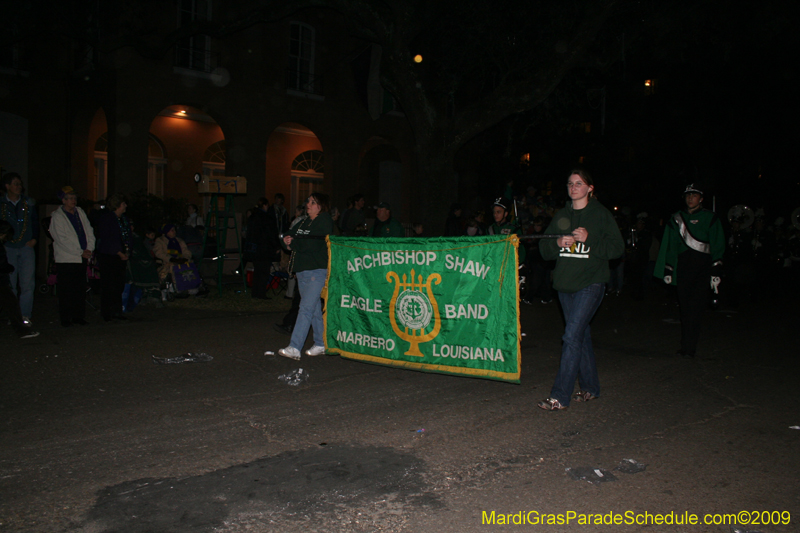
[715, 284]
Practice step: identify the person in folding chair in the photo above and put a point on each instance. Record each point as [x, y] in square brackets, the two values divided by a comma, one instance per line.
[176, 262]
[73, 243]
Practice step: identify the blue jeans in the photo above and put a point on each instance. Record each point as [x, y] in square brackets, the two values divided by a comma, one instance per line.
[24, 262]
[310, 283]
[577, 355]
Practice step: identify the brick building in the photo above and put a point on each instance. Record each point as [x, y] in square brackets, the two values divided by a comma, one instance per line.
[292, 104]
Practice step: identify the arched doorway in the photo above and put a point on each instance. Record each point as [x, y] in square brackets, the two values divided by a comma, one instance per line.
[100, 184]
[294, 163]
[214, 161]
[98, 157]
[308, 171]
[156, 166]
[191, 142]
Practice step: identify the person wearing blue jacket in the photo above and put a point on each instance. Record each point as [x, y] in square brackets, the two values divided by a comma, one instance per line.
[20, 211]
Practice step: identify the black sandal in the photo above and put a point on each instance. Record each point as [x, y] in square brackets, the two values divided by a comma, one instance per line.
[551, 404]
[583, 396]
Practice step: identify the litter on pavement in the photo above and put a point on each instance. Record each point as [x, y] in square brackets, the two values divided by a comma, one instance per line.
[630, 466]
[294, 378]
[590, 474]
[185, 358]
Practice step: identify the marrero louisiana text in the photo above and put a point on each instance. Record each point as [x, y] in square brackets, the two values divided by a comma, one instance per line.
[444, 350]
[467, 352]
[535, 518]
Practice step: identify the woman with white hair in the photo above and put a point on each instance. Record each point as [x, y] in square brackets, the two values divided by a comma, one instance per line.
[73, 243]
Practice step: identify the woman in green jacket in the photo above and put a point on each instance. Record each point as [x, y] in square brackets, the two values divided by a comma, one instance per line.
[306, 241]
[589, 239]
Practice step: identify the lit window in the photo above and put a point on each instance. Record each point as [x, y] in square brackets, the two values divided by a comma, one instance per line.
[214, 160]
[310, 161]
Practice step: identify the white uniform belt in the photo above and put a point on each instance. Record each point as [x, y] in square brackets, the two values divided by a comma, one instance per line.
[689, 239]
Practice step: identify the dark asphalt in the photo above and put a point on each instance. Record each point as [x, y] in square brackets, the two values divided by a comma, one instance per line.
[97, 438]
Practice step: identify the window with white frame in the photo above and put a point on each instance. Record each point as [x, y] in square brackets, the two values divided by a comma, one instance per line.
[308, 170]
[100, 185]
[214, 161]
[156, 166]
[194, 52]
[300, 73]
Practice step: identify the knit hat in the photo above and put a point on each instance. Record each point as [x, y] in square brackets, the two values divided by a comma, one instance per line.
[166, 227]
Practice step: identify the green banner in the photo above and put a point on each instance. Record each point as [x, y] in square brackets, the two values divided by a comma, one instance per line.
[448, 304]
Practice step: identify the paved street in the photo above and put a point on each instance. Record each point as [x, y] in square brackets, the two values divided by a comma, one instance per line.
[97, 438]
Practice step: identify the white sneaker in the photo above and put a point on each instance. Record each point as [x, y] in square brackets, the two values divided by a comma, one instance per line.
[29, 335]
[291, 353]
[26, 321]
[315, 350]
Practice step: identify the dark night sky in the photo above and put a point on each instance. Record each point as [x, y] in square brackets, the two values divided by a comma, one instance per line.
[722, 114]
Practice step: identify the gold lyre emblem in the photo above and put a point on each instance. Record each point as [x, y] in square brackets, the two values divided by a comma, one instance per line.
[414, 310]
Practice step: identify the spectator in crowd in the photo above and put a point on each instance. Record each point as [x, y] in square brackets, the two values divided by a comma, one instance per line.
[149, 241]
[20, 211]
[73, 244]
[277, 212]
[114, 243]
[194, 219]
[478, 222]
[353, 219]
[386, 225]
[454, 225]
[8, 300]
[170, 250]
[262, 247]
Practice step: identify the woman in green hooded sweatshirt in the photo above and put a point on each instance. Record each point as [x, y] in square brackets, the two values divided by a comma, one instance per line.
[589, 239]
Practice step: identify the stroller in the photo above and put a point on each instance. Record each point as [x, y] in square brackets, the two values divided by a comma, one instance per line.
[142, 276]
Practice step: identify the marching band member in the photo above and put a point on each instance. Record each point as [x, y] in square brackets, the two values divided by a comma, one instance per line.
[691, 258]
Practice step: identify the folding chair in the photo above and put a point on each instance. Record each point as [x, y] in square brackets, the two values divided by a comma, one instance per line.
[278, 281]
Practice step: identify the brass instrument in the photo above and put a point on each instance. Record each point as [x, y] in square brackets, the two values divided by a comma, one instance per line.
[741, 214]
